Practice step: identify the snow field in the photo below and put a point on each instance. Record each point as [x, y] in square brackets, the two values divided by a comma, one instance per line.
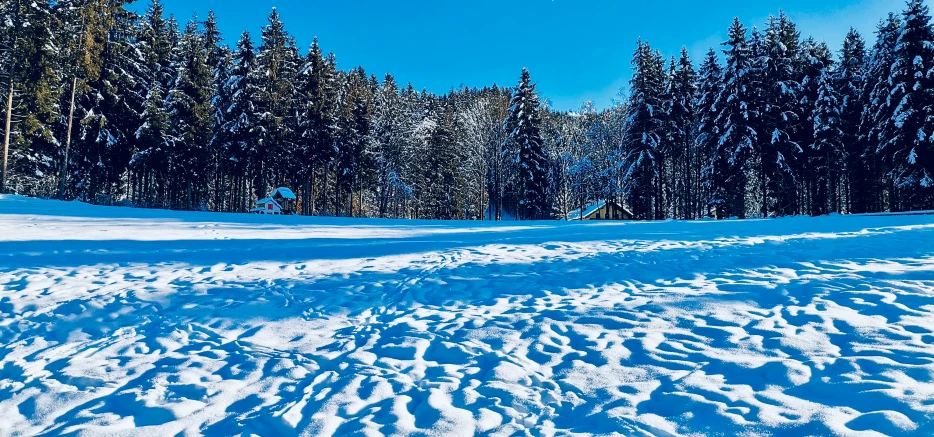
[136, 322]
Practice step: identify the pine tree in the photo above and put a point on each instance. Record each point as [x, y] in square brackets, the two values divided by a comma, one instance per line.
[727, 172]
[218, 59]
[523, 126]
[816, 59]
[681, 122]
[316, 128]
[706, 144]
[30, 148]
[276, 67]
[389, 133]
[907, 145]
[352, 138]
[828, 147]
[192, 119]
[642, 143]
[239, 130]
[850, 81]
[876, 117]
[156, 147]
[158, 37]
[780, 148]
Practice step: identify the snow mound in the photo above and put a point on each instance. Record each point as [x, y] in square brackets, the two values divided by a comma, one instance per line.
[124, 321]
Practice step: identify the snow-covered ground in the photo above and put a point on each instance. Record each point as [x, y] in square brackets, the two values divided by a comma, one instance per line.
[138, 322]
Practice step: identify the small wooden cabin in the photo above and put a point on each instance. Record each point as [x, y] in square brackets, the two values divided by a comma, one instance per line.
[279, 202]
[602, 210]
[267, 206]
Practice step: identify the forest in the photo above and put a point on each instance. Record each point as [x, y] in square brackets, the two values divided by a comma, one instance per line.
[108, 106]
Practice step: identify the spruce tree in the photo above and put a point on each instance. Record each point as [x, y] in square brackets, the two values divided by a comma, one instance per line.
[680, 133]
[157, 36]
[192, 119]
[907, 143]
[849, 83]
[316, 128]
[352, 139]
[816, 59]
[239, 130]
[828, 148]
[780, 148]
[643, 140]
[706, 144]
[389, 133]
[727, 172]
[273, 79]
[876, 117]
[218, 59]
[155, 147]
[30, 147]
[523, 127]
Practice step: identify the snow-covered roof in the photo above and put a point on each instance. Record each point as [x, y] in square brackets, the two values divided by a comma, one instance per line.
[266, 200]
[284, 192]
[589, 210]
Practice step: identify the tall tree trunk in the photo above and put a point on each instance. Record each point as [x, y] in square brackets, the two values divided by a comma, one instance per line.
[71, 118]
[6, 137]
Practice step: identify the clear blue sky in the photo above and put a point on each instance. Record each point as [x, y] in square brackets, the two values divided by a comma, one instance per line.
[576, 50]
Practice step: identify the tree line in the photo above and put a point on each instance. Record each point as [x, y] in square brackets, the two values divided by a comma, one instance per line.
[109, 106]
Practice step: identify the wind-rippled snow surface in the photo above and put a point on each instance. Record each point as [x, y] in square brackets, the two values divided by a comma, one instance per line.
[135, 322]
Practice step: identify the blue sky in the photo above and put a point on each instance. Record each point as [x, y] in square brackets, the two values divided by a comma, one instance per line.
[576, 50]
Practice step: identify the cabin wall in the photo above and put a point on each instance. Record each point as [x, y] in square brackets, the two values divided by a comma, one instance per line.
[610, 212]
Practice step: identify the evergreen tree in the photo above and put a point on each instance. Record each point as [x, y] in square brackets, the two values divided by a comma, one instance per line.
[276, 66]
[849, 84]
[816, 59]
[352, 137]
[192, 120]
[907, 143]
[440, 164]
[706, 143]
[239, 130]
[642, 143]
[828, 147]
[85, 28]
[158, 37]
[523, 126]
[680, 133]
[155, 147]
[33, 79]
[389, 133]
[218, 60]
[727, 172]
[316, 127]
[877, 112]
[780, 116]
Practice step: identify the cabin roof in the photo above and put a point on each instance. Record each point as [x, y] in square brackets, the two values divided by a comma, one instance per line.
[592, 209]
[283, 192]
[266, 200]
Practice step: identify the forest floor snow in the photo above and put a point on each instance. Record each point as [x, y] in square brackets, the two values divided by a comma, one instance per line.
[139, 322]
